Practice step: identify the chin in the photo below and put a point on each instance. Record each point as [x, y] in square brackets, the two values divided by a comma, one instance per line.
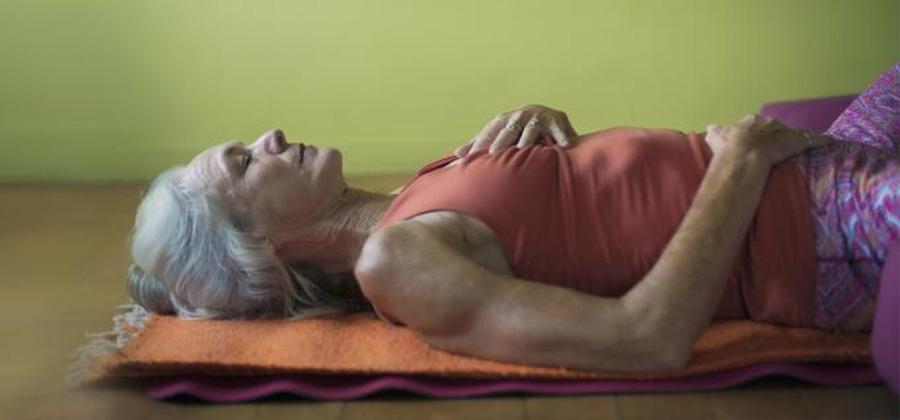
[333, 165]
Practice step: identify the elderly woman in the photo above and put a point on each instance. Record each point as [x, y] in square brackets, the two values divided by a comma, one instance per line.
[610, 251]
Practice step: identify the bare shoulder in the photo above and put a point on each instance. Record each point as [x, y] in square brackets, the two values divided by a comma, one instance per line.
[408, 270]
[465, 233]
[388, 244]
[416, 245]
[450, 228]
[402, 266]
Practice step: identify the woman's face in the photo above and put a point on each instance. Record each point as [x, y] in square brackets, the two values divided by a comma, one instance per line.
[280, 184]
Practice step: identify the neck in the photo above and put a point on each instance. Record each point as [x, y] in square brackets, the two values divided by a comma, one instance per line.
[333, 239]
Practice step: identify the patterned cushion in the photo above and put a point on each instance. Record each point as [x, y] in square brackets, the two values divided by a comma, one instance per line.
[874, 117]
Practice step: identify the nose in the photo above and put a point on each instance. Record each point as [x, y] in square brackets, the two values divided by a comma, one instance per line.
[272, 142]
[278, 143]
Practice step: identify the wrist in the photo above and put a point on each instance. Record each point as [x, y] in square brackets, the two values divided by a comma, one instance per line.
[741, 159]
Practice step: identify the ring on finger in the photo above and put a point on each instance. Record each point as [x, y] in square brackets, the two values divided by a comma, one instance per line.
[514, 126]
[533, 121]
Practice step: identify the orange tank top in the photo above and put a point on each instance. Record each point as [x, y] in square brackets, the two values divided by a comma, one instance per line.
[597, 216]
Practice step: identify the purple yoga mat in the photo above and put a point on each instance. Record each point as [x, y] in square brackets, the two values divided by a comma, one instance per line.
[342, 387]
[812, 114]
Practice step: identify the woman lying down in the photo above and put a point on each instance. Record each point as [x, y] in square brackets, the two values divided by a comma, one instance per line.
[530, 244]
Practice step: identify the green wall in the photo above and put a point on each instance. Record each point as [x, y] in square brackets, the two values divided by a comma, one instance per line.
[109, 91]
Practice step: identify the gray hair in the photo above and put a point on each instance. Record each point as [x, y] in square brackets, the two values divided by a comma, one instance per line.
[194, 257]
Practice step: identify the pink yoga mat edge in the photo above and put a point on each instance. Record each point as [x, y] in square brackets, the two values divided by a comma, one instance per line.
[344, 387]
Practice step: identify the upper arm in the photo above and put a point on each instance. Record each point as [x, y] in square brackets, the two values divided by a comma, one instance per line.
[459, 306]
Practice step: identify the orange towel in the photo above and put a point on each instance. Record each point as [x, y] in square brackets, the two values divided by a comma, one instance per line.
[357, 343]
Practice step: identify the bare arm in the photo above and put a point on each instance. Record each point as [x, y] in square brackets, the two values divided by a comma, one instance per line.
[683, 289]
[424, 280]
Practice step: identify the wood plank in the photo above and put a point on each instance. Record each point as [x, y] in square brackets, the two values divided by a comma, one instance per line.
[850, 402]
[654, 406]
[758, 400]
[586, 407]
[290, 408]
[486, 408]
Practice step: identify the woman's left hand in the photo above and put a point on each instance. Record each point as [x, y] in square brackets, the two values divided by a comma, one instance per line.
[763, 138]
[522, 127]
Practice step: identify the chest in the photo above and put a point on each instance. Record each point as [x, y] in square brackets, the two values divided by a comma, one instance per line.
[477, 241]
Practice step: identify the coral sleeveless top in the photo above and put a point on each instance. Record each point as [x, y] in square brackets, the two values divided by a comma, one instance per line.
[597, 216]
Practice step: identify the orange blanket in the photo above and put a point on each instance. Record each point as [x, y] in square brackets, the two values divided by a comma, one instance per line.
[357, 343]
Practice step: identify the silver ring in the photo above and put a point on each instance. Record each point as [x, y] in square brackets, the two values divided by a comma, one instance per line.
[533, 121]
[809, 139]
[514, 125]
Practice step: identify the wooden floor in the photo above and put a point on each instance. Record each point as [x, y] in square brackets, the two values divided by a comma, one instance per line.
[63, 258]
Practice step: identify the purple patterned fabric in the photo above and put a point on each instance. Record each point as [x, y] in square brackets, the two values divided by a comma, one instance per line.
[855, 194]
[874, 117]
[854, 188]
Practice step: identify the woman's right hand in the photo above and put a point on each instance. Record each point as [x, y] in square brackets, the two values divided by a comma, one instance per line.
[763, 138]
[522, 127]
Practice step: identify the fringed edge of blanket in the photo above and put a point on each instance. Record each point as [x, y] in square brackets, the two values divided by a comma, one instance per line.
[88, 359]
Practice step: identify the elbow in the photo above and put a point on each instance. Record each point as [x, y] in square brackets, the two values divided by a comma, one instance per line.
[673, 353]
[673, 360]
[679, 347]
[661, 352]
[663, 347]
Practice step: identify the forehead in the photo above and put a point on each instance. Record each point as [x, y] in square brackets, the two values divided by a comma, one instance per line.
[209, 168]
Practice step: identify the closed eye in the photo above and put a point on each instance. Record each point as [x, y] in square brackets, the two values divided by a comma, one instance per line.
[245, 162]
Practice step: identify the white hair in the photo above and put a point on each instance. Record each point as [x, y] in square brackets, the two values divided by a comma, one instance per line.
[194, 256]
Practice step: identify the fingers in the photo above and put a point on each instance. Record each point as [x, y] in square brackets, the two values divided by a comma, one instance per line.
[509, 133]
[522, 127]
[758, 121]
[814, 140]
[713, 129]
[823, 140]
[487, 134]
[572, 135]
[747, 120]
[530, 133]
[463, 150]
[559, 136]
